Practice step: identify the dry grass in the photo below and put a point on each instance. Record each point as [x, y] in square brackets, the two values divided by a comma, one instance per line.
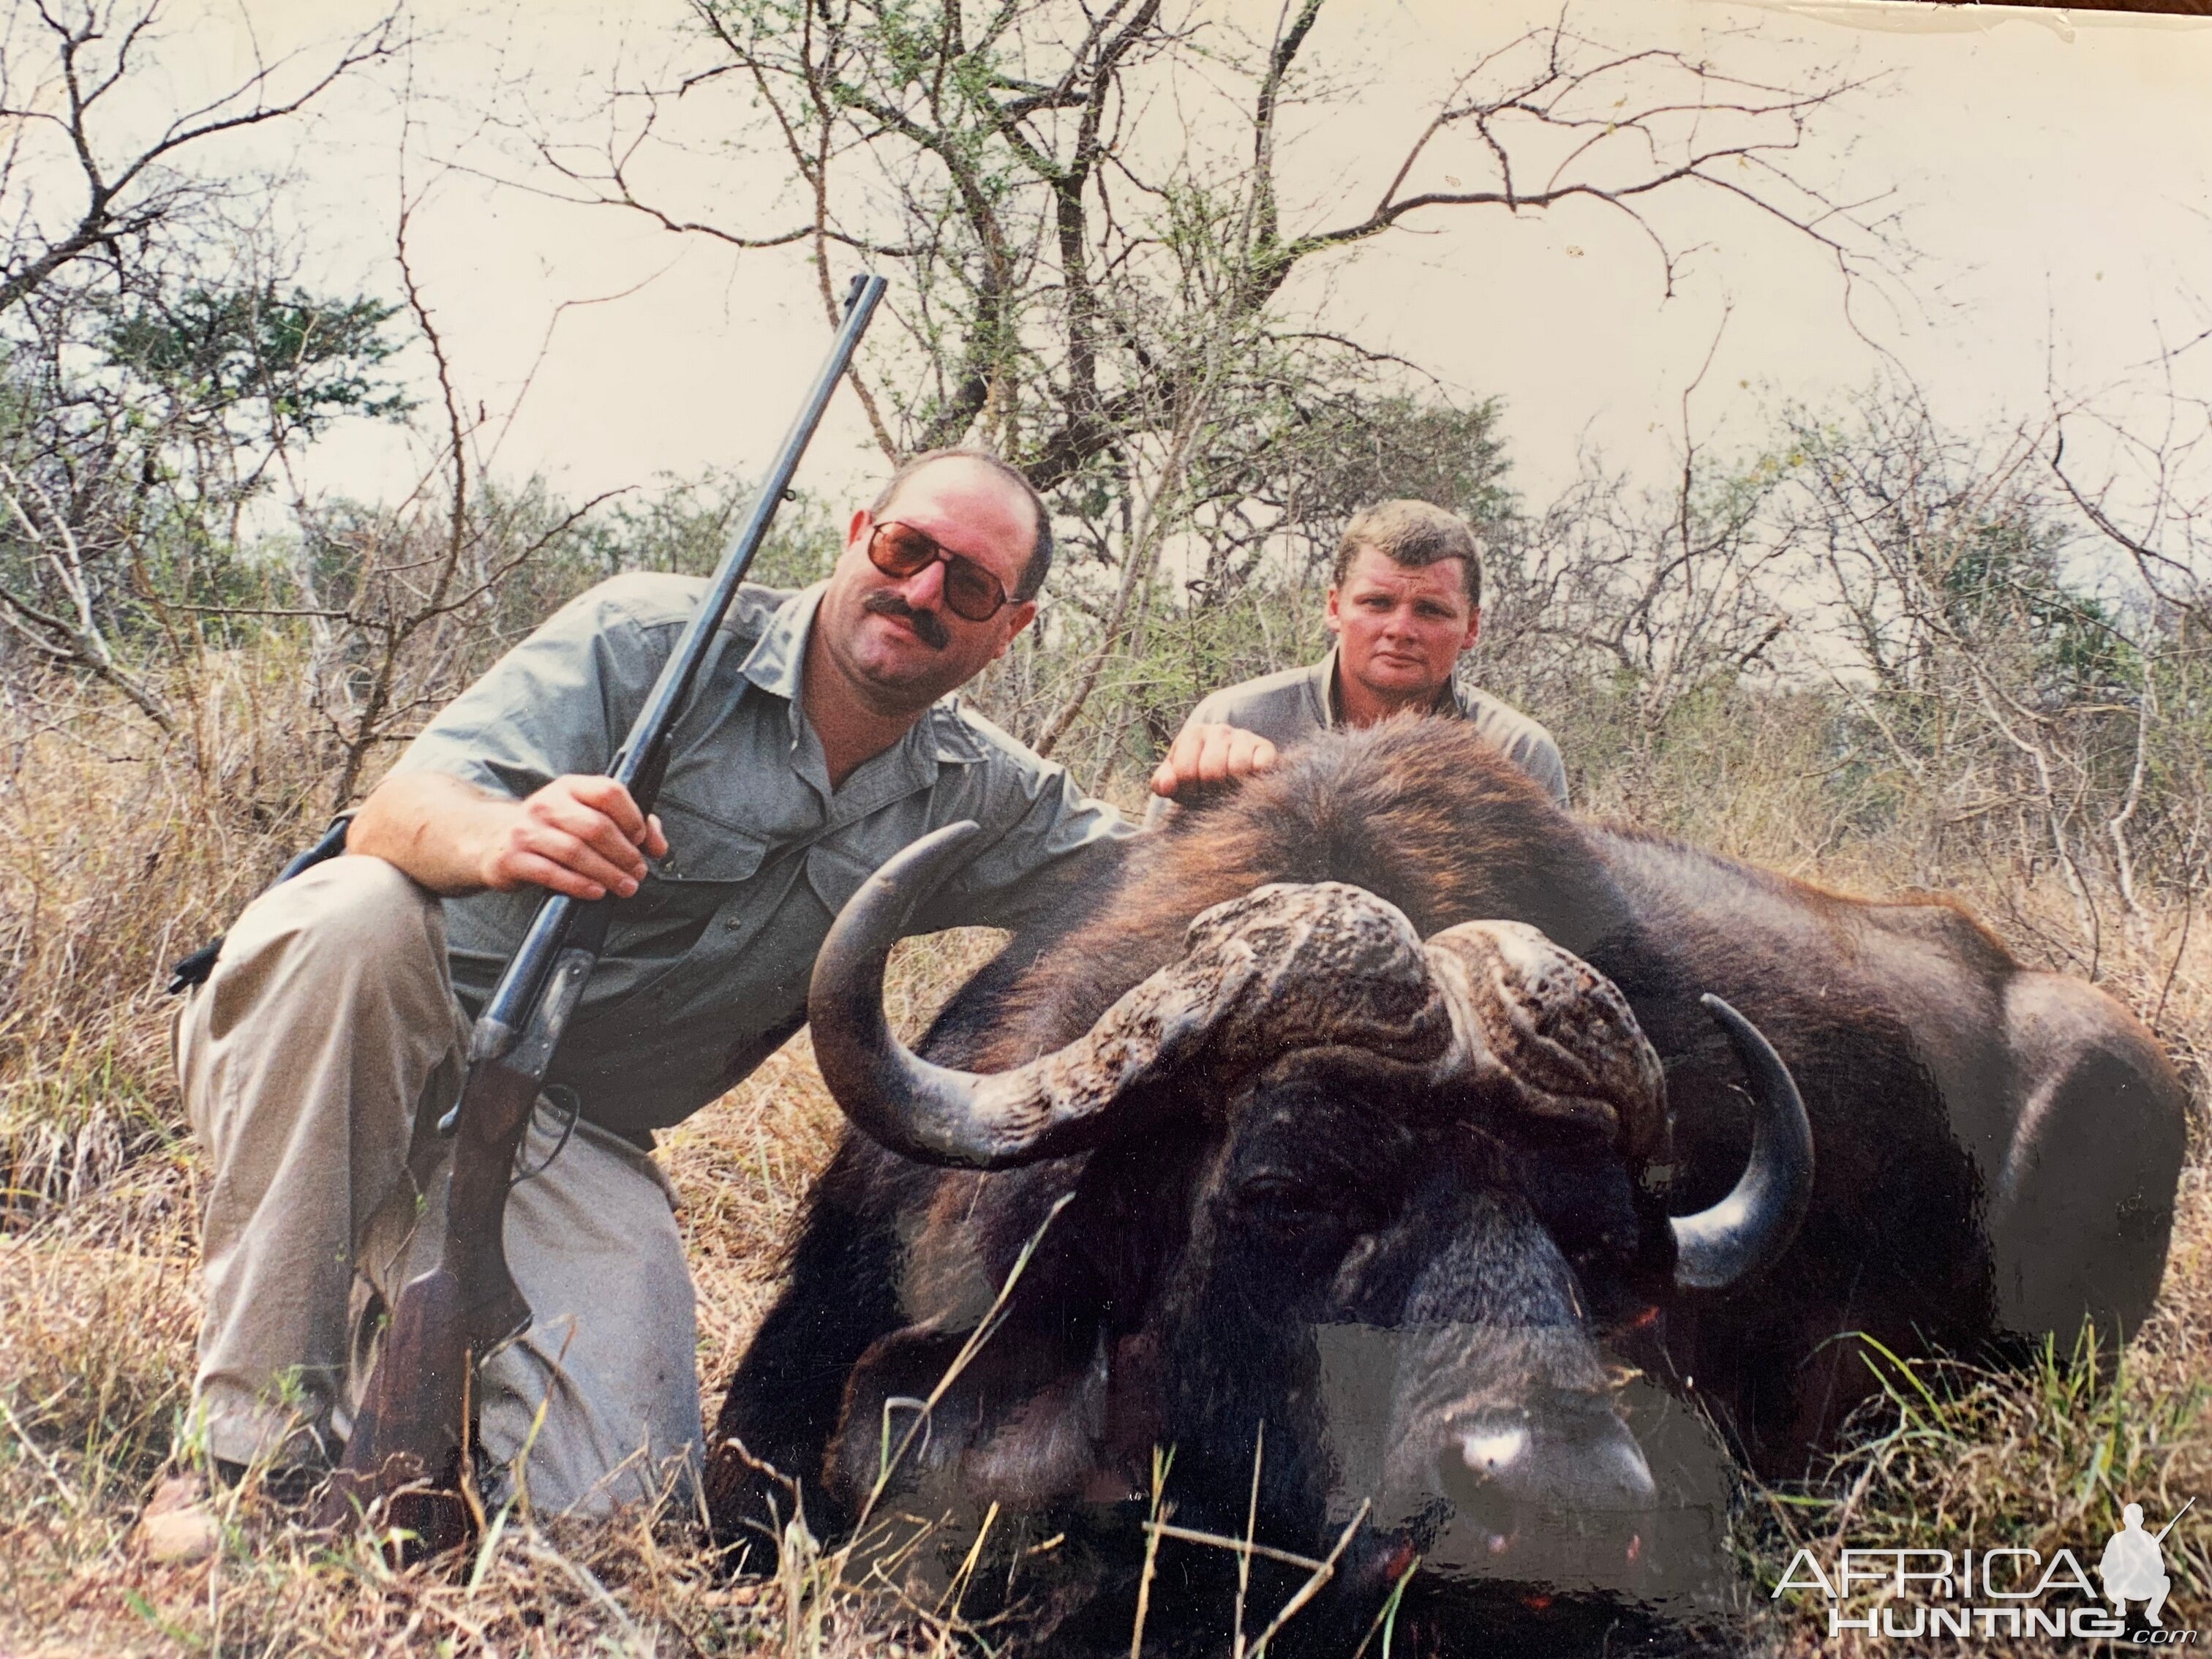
[1952, 1457]
[113, 859]
[743, 1165]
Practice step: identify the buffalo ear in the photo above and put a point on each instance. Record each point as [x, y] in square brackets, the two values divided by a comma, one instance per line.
[1021, 1425]
[874, 1423]
[1046, 1448]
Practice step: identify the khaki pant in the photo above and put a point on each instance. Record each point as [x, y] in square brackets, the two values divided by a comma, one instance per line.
[315, 1063]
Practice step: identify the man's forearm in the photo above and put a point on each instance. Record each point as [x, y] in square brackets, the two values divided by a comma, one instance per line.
[433, 826]
[578, 835]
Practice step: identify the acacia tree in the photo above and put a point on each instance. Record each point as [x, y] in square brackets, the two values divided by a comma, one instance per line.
[81, 185]
[2036, 698]
[1083, 203]
[160, 366]
[155, 360]
[2150, 504]
[138, 425]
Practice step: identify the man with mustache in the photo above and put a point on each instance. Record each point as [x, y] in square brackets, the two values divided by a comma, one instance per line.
[1405, 602]
[319, 1056]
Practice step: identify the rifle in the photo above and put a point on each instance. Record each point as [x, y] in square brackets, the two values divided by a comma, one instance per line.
[2159, 1537]
[409, 1432]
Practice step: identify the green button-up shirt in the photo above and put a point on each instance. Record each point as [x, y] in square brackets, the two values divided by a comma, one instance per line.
[1290, 707]
[705, 968]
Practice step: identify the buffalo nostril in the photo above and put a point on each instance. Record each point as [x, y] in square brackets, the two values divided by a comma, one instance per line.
[1581, 1461]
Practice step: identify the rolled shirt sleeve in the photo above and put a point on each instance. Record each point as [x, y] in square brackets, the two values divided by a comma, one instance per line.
[1538, 754]
[1042, 824]
[560, 703]
[705, 970]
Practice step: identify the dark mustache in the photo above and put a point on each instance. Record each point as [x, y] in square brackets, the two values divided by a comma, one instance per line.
[926, 623]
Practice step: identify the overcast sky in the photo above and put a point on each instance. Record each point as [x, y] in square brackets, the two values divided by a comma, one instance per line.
[2050, 168]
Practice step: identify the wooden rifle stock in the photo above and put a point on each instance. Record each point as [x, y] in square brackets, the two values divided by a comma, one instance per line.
[410, 1430]
[410, 1433]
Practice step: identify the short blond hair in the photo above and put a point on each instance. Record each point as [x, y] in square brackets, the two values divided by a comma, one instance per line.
[1412, 533]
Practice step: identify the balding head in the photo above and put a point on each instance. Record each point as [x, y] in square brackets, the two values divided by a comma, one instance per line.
[892, 645]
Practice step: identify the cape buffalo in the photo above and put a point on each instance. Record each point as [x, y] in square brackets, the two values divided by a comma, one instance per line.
[1386, 1176]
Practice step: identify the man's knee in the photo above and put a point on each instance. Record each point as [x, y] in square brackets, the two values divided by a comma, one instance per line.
[348, 908]
[612, 1353]
[342, 925]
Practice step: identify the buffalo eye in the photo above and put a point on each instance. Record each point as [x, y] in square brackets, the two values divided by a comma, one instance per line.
[1285, 1202]
[1280, 1195]
[1582, 1192]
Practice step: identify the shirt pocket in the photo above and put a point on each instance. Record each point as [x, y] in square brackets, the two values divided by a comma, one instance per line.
[707, 865]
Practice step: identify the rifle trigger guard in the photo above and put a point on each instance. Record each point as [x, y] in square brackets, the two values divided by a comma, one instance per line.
[567, 1108]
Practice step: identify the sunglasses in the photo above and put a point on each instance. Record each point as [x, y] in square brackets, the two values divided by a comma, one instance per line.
[971, 592]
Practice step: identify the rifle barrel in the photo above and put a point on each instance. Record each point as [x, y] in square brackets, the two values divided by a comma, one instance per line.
[639, 765]
[2169, 1525]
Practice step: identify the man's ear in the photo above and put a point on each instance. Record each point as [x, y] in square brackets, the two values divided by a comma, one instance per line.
[1021, 616]
[856, 532]
[1474, 628]
[1329, 619]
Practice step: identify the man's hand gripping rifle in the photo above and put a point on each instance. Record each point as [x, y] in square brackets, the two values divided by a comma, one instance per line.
[411, 1427]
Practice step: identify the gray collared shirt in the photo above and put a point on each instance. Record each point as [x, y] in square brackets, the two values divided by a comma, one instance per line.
[1290, 707]
[705, 969]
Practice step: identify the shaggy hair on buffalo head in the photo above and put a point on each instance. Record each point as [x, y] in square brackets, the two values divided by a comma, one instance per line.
[1424, 814]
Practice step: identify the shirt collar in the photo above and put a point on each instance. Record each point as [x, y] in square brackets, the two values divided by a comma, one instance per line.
[955, 741]
[777, 656]
[1321, 689]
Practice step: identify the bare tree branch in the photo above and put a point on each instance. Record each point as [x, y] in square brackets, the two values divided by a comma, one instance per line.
[128, 196]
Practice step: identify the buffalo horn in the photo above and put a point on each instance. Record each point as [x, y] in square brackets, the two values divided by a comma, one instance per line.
[1543, 1026]
[1285, 967]
[1756, 1222]
[925, 1111]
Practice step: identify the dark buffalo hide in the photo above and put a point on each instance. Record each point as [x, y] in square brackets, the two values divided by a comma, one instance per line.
[1426, 1309]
